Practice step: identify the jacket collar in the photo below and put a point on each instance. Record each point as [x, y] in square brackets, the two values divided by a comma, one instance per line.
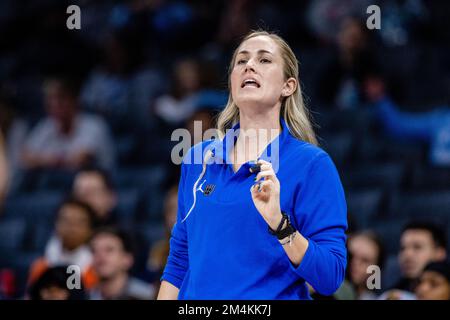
[221, 148]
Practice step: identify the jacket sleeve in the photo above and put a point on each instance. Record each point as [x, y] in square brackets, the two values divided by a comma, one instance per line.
[178, 262]
[321, 212]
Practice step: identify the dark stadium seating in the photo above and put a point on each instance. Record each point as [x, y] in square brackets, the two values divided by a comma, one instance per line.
[433, 206]
[357, 121]
[388, 175]
[364, 205]
[390, 272]
[149, 233]
[12, 234]
[338, 146]
[127, 206]
[430, 178]
[41, 205]
[38, 234]
[149, 183]
[371, 149]
[389, 230]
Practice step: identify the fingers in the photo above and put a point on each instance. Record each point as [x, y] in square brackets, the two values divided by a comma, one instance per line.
[265, 180]
[266, 171]
[263, 186]
[265, 174]
[262, 161]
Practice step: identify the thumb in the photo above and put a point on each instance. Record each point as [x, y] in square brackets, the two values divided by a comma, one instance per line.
[254, 189]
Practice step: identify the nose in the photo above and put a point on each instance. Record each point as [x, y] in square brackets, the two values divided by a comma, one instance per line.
[250, 66]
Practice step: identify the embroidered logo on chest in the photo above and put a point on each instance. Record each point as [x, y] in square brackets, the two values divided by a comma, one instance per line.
[209, 188]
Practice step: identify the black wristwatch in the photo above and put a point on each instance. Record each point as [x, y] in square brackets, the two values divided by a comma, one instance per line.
[283, 233]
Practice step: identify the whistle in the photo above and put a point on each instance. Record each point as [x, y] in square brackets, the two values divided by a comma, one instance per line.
[255, 168]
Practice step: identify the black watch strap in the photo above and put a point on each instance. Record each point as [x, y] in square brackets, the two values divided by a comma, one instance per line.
[283, 233]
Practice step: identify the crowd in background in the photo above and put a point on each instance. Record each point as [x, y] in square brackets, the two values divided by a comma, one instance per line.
[86, 118]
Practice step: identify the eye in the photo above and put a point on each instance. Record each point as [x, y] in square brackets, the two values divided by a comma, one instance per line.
[241, 61]
[265, 60]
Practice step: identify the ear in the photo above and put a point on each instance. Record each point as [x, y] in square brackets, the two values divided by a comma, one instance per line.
[441, 254]
[114, 200]
[129, 261]
[289, 87]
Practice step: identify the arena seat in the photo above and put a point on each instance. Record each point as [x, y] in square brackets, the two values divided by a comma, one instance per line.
[36, 205]
[389, 230]
[12, 234]
[387, 149]
[390, 273]
[148, 182]
[434, 206]
[430, 178]
[388, 176]
[364, 205]
[127, 206]
[338, 146]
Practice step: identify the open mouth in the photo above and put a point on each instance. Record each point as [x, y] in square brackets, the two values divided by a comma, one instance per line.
[250, 83]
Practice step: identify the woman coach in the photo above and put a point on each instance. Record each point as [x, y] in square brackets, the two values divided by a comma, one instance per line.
[241, 235]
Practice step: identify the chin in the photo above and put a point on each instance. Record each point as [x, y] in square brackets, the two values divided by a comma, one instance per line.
[105, 276]
[249, 101]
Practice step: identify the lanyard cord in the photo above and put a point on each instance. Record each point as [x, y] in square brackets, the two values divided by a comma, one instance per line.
[208, 155]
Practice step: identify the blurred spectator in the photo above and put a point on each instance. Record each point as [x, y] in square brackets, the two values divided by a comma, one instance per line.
[3, 171]
[172, 21]
[235, 22]
[14, 130]
[113, 258]
[160, 250]
[195, 88]
[400, 19]
[324, 15]
[205, 117]
[365, 249]
[66, 138]
[122, 88]
[94, 187]
[68, 246]
[179, 104]
[432, 127]
[342, 79]
[434, 283]
[420, 244]
[52, 285]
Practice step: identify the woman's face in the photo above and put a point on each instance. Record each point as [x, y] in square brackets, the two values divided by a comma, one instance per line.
[73, 226]
[433, 286]
[364, 254]
[257, 77]
[187, 76]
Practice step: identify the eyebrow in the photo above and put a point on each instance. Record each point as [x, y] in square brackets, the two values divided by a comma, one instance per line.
[259, 51]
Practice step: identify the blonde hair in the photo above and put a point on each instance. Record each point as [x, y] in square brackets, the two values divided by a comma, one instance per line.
[293, 108]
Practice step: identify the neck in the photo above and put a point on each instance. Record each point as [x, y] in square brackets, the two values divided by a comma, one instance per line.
[66, 127]
[113, 287]
[256, 132]
[360, 289]
[261, 120]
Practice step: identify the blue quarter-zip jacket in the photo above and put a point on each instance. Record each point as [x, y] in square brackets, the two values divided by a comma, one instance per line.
[223, 250]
